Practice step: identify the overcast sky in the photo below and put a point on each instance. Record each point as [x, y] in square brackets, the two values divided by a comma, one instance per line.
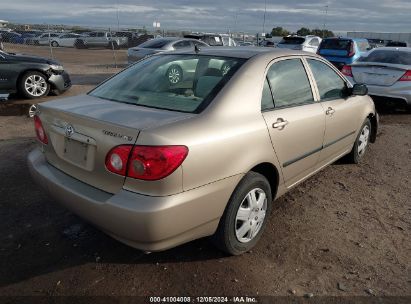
[216, 15]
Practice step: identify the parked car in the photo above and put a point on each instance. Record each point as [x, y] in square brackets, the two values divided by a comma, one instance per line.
[159, 45]
[67, 40]
[266, 43]
[343, 51]
[101, 39]
[375, 43]
[132, 37]
[31, 76]
[43, 39]
[398, 44]
[209, 39]
[22, 38]
[10, 36]
[228, 41]
[156, 165]
[387, 73]
[307, 44]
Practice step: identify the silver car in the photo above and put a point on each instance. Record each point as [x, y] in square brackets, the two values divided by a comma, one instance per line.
[387, 73]
[307, 44]
[160, 45]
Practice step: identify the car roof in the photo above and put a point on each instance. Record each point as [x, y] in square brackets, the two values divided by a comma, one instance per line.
[241, 52]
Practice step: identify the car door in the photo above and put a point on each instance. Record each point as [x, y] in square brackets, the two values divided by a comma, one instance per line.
[7, 75]
[296, 120]
[341, 111]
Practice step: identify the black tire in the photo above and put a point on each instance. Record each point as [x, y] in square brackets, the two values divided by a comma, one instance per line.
[79, 44]
[54, 44]
[174, 74]
[26, 92]
[225, 237]
[354, 157]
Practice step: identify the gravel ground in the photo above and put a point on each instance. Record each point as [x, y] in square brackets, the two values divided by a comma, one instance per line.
[344, 232]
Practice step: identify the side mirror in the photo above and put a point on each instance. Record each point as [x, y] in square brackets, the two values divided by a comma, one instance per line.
[359, 89]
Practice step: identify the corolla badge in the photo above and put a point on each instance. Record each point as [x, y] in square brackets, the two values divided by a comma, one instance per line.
[69, 130]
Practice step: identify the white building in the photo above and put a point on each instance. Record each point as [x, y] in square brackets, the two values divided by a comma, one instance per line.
[381, 36]
[3, 23]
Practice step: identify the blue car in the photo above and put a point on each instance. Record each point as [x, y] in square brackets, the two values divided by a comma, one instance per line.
[343, 51]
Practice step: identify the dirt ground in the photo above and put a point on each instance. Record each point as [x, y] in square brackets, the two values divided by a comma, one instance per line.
[346, 231]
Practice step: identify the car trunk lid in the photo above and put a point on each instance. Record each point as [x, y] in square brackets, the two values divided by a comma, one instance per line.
[377, 73]
[82, 130]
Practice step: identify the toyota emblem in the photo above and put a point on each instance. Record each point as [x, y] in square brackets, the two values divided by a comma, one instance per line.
[69, 130]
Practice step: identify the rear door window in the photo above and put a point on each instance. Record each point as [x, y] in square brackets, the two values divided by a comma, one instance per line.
[330, 85]
[289, 83]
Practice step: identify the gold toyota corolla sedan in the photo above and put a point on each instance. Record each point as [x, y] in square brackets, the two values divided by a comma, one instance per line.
[198, 143]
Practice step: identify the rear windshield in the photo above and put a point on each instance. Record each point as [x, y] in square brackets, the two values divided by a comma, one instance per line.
[184, 83]
[336, 44]
[388, 56]
[292, 40]
[154, 44]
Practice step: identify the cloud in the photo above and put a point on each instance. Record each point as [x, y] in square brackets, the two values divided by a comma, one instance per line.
[216, 15]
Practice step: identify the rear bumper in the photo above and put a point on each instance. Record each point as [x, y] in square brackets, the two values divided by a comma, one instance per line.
[144, 222]
[60, 82]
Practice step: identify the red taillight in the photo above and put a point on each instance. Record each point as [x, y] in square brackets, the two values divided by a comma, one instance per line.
[347, 71]
[117, 158]
[155, 162]
[406, 76]
[145, 162]
[41, 134]
[352, 51]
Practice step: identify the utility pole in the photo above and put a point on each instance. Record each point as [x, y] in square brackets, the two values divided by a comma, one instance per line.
[265, 12]
[325, 20]
[118, 18]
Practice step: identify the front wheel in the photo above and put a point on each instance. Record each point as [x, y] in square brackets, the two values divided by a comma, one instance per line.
[245, 217]
[54, 44]
[361, 143]
[34, 85]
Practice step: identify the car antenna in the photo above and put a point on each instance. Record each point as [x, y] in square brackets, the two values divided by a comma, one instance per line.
[197, 49]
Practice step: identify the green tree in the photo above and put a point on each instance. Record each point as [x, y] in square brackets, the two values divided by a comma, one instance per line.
[304, 31]
[279, 31]
[322, 33]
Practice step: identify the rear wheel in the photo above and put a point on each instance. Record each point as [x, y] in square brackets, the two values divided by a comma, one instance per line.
[245, 217]
[34, 84]
[361, 143]
[54, 44]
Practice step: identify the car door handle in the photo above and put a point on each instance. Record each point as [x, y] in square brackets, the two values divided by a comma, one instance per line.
[280, 124]
[330, 111]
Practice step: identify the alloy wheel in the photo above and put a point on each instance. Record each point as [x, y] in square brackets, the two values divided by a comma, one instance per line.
[35, 85]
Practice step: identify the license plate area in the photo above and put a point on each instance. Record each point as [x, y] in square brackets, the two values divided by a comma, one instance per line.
[75, 152]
